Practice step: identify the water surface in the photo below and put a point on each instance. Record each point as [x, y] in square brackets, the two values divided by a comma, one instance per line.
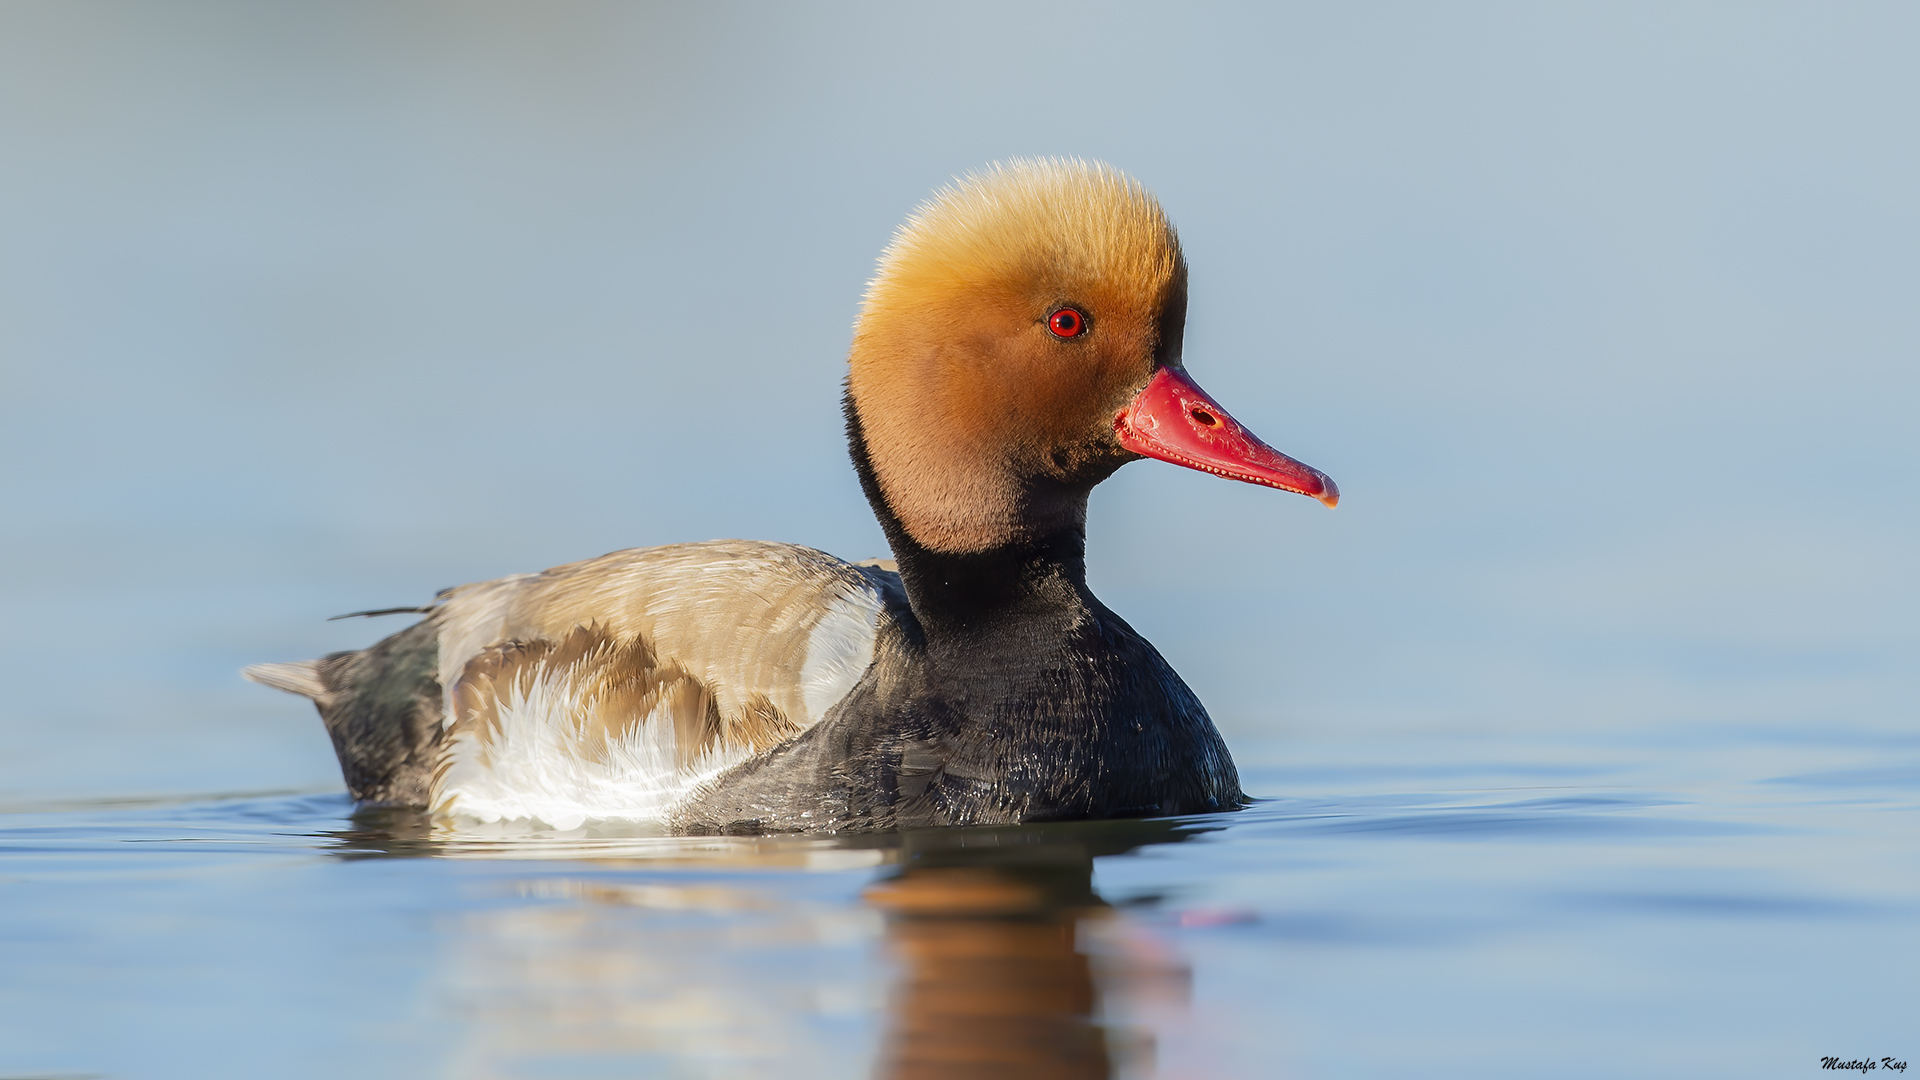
[1697, 905]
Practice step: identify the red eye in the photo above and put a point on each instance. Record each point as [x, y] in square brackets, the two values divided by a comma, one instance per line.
[1067, 323]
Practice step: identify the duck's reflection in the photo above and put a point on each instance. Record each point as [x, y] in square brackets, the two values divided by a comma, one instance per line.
[1003, 960]
[992, 979]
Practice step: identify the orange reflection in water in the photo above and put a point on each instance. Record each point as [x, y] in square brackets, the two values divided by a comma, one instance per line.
[640, 951]
[1003, 972]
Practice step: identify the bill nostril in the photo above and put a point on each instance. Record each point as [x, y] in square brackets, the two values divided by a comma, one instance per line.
[1204, 418]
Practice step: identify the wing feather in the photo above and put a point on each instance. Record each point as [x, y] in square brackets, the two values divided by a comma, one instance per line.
[610, 687]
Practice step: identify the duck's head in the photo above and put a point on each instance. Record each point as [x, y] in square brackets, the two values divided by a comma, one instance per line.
[1020, 342]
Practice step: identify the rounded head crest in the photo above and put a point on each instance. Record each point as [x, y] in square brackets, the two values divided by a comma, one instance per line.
[1012, 315]
[1028, 220]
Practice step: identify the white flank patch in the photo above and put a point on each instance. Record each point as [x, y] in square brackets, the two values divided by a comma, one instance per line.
[540, 767]
[839, 651]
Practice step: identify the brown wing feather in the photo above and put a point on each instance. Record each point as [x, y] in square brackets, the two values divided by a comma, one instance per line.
[618, 684]
[729, 621]
[736, 645]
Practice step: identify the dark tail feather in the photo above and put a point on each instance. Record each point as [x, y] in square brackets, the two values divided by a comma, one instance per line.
[383, 611]
[382, 709]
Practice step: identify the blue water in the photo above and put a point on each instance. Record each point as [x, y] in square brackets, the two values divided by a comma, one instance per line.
[1681, 908]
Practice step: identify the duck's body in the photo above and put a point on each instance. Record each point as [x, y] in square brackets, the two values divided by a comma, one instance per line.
[1020, 343]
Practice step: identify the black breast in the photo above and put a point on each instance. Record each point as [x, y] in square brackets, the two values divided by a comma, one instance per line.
[1055, 716]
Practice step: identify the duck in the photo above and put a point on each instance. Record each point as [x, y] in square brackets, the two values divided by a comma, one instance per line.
[1020, 341]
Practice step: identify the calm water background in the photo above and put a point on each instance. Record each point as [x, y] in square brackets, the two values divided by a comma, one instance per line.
[1587, 721]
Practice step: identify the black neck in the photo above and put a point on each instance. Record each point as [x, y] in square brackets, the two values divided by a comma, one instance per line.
[969, 597]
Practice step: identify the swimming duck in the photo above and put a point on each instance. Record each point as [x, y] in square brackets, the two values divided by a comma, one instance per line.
[1019, 342]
